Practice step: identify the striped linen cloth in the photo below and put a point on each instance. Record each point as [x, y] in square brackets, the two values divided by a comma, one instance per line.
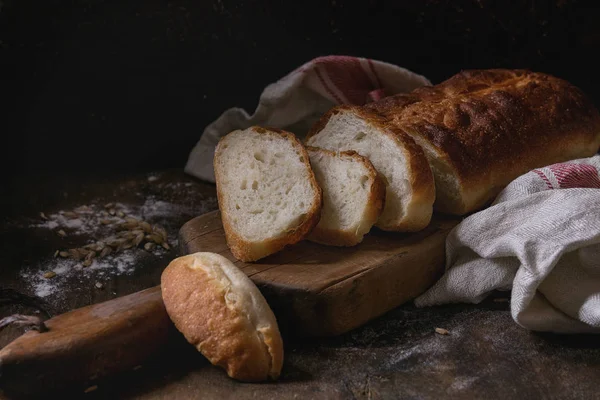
[540, 239]
[297, 100]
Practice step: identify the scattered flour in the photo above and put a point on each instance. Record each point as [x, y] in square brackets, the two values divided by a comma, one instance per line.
[93, 221]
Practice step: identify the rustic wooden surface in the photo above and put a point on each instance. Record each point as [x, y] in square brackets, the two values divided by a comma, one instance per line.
[318, 290]
[398, 355]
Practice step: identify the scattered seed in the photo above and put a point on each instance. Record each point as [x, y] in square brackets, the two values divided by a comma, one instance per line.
[49, 274]
[99, 285]
[64, 254]
[62, 233]
[138, 239]
[441, 331]
[105, 251]
[112, 211]
[43, 216]
[109, 205]
[70, 215]
[501, 300]
[90, 389]
[132, 220]
[87, 262]
[166, 246]
[56, 253]
[155, 238]
[105, 222]
[83, 208]
[75, 254]
[160, 231]
[127, 226]
[149, 246]
[146, 227]
[90, 255]
[120, 214]
[127, 245]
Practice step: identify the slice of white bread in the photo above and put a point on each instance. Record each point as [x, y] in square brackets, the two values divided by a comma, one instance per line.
[223, 314]
[353, 196]
[410, 189]
[267, 192]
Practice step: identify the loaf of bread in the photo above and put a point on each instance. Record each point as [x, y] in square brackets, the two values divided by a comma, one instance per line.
[410, 190]
[353, 196]
[267, 192]
[481, 129]
[223, 314]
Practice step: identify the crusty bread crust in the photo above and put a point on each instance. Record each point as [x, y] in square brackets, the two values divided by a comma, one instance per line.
[205, 307]
[251, 251]
[490, 126]
[375, 204]
[419, 211]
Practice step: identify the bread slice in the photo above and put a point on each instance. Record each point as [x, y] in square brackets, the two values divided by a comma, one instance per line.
[223, 314]
[410, 191]
[353, 196]
[481, 129]
[267, 192]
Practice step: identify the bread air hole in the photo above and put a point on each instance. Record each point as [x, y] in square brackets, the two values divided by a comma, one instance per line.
[363, 181]
[243, 185]
[237, 206]
[360, 136]
[259, 157]
[254, 185]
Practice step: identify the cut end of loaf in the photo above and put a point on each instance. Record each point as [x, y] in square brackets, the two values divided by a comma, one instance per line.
[267, 192]
[399, 161]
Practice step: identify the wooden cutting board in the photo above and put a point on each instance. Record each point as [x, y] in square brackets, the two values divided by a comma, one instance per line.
[317, 290]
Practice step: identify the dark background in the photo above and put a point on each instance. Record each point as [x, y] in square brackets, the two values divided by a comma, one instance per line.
[96, 86]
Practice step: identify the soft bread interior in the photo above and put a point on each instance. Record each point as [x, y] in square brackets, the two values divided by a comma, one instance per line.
[265, 184]
[346, 184]
[346, 131]
[242, 295]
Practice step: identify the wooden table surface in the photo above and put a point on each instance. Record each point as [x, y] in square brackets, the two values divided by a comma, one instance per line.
[485, 355]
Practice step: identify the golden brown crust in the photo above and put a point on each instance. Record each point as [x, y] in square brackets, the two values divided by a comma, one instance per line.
[195, 302]
[375, 204]
[252, 251]
[419, 212]
[491, 126]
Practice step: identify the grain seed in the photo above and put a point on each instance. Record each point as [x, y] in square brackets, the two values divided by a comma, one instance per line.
[63, 254]
[166, 246]
[127, 245]
[70, 215]
[75, 254]
[105, 251]
[155, 238]
[49, 274]
[132, 220]
[160, 231]
[43, 216]
[87, 262]
[441, 331]
[138, 239]
[56, 253]
[146, 227]
[120, 214]
[109, 205]
[149, 246]
[112, 211]
[62, 233]
[105, 222]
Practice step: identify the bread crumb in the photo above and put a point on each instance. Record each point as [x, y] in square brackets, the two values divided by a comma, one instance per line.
[441, 331]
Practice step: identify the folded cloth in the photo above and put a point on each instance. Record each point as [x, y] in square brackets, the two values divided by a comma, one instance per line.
[540, 238]
[297, 100]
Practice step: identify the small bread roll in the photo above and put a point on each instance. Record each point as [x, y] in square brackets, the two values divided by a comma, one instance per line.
[221, 312]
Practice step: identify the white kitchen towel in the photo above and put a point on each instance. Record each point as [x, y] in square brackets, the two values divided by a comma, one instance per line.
[540, 239]
[297, 100]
